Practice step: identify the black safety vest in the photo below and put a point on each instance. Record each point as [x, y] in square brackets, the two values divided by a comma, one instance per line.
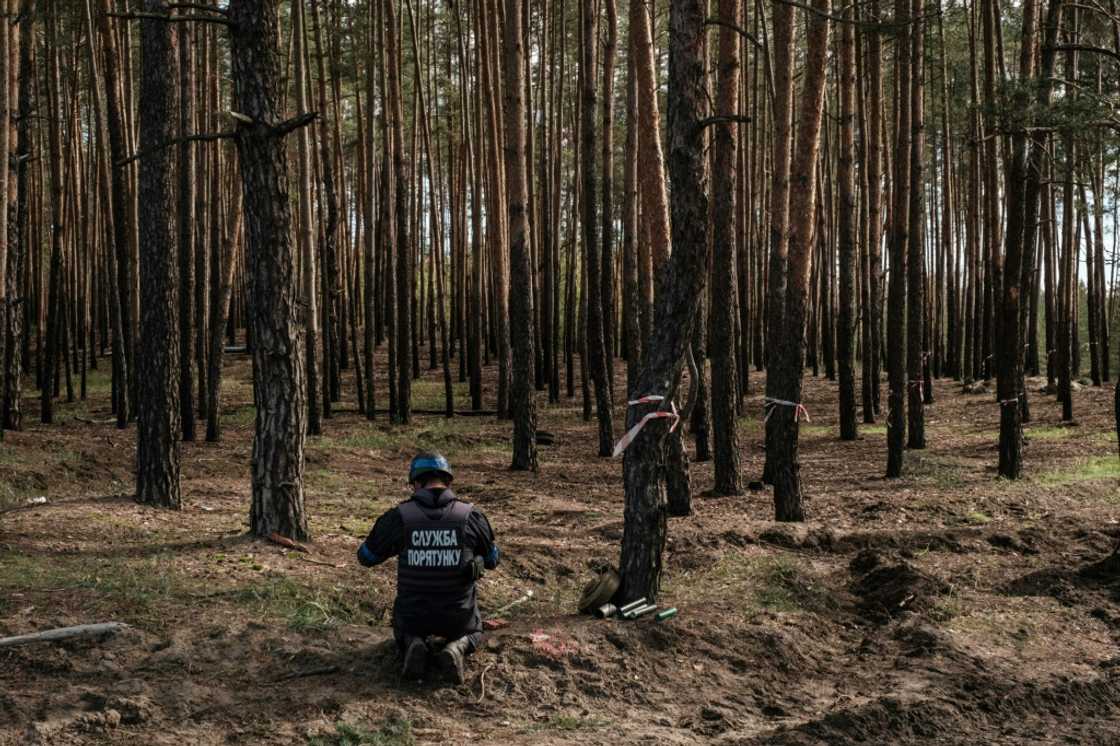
[435, 557]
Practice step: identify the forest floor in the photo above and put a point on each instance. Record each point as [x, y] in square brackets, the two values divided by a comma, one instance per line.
[947, 606]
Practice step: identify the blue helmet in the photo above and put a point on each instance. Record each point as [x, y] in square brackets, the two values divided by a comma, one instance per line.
[429, 463]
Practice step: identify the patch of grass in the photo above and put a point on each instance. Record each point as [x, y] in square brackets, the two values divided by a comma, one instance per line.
[304, 609]
[394, 731]
[569, 723]
[428, 393]
[946, 608]
[244, 416]
[937, 471]
[134, 589]
[455, 437]
[776, 583]
[1085, 470]
[977, 517]
[1047, 432]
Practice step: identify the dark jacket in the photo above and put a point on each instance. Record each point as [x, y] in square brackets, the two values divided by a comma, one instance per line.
[442, 598]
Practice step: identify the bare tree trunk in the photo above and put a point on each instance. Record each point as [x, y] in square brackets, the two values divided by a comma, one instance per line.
[157, 420]
[279, 354]
[651, 161]
[595, 322]
[186, 167]
[683, 281]
[607, 271]
[15, 330]
[306, 243]
[522, 406]
[782, 139]
[402, 242]
[847, 230]
[725, 431]
[916, 350]
[788, 359]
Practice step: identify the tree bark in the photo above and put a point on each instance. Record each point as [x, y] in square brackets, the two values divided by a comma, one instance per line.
[643, 539]
[788, 359]
[522, 406]
[725, 430]
[899, 242]
[595, 323]
[916, 261]
[845, 332]
[157, 417]
[278, 336]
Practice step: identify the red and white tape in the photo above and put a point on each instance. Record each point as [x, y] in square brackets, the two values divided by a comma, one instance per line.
[632, 433]
[799, 409]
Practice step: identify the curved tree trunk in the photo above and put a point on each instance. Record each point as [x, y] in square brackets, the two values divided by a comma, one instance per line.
[643, 538]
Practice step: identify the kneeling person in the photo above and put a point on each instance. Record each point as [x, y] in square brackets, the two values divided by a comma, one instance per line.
[442, 545]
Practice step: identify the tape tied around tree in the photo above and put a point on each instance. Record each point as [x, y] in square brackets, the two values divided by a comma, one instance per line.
[632, 433]
[799, 409]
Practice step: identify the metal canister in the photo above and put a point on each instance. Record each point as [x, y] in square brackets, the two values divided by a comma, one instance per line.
[641, 611]
[666, 614]
[606, 611]
[624, 610]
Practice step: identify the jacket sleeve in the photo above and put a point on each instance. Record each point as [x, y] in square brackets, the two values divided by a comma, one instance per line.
[484, 544]
[385, 540]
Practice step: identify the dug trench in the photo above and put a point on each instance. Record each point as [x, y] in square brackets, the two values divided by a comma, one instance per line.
[947, 606]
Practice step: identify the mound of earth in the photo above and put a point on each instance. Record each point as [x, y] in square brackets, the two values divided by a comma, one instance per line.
[888, 589]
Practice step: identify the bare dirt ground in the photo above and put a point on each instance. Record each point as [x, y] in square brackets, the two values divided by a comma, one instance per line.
[945, 607]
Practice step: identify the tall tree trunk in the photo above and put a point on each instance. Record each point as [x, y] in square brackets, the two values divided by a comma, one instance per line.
[899, 242]
[782, 140]
[682, 283]
[1009, 350]
[607, 256]
[186, 218]
[651, 161]
[788, 357]
[278, 342]
[725, 431]
[306, 243]
[15, 329]
[522, 406]
[157, 420]
[845, 332]
[330, 281]
[55, 323]
[402, 243]
[874, 205]
[916, 350]
[595, 323]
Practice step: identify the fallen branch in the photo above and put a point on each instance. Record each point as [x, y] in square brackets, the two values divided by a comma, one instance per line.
[97, 631]
[284, 541]
[322, 671]
[482, 683]
[89, 421]
[314, 561]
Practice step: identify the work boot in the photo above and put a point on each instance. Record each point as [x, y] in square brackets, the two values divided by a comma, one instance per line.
[451, 658]
[415, 658]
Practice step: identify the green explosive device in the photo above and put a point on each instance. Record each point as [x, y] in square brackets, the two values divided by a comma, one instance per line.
[666, 614]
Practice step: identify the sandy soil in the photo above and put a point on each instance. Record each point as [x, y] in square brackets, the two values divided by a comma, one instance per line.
[944, 607]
